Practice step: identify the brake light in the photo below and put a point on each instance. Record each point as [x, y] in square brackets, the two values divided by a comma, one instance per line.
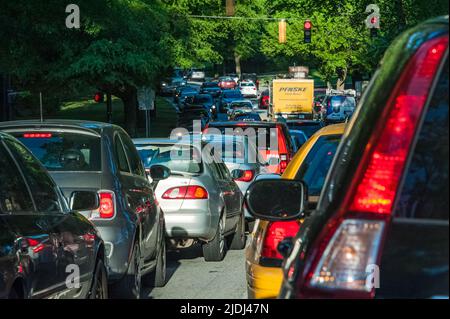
[283, 162]
[37, 135]
[247, 177]
[186, 192]
[276, 232]
[352, 240]
[107, 209]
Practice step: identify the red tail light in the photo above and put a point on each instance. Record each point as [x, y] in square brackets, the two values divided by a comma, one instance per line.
[284, 161]
[352, 240]
[276, 232]
[186, 192]
[107, 206]
[37, 135]
[247, 177]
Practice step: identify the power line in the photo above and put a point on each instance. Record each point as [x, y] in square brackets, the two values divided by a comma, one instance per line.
[241, 18]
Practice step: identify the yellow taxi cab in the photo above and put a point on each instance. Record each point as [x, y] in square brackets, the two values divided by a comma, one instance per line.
[310, 164]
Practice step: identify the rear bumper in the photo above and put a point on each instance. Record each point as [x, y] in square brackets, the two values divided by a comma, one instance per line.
[263, 282]
[191, 224]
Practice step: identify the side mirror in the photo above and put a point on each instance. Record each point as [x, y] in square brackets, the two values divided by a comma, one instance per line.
[277, 199]
[84, 201]
[237, 174]
[159, 173]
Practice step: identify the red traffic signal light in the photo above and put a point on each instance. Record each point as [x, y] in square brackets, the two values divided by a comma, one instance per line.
[307, 25]
[99, 97]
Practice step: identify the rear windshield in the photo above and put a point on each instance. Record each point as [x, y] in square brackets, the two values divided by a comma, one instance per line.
[266, 138]
[315, 168]
[178, 158]
[64, 151]
[244, 117]
[308, 128]
[336, 101]
[232, 94]
[203, 99]
[247, 84]
[236, 105]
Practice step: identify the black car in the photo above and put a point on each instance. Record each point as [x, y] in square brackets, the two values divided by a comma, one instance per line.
[381, 227]
[227, 97]
[46, 250]
[99, 170]
[211, 88]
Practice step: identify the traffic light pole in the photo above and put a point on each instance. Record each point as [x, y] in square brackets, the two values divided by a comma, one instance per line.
[108, 108]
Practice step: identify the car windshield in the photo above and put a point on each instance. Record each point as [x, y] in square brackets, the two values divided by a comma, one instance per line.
[346, 101]
[247, 117]
[308, 128]
[227, 79]
[203, 99]
[64, 151]
[178, 158]
[232, 94]
[239, 105]
[315, 167]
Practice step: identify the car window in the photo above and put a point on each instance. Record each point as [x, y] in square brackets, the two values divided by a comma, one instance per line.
[137, 168]
[42, 187]
[61, 151]
[424, 194]
[120, 155]
[14, 194]
[314, 168]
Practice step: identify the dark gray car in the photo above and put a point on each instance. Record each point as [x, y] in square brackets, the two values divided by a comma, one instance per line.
[100, 173]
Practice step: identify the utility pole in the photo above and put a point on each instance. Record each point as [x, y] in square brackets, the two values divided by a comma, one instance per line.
[108, 107]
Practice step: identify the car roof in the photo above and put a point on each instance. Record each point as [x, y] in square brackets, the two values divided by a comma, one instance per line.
[243, 123]
[91, 126]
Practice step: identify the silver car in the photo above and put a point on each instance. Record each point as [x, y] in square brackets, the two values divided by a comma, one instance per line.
[200, 199]
[239, 153]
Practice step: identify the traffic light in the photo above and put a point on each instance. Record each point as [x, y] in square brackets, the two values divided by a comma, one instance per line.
[282, 31]
[230, 8]
[307, 26]
[99, 97]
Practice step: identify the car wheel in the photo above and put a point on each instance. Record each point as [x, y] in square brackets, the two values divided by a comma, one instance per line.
[158, 278]
[99, 288]
[215, 249]
[239, 237]
[130, 285]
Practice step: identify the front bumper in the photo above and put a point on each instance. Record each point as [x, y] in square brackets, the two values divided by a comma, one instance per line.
[263, 282]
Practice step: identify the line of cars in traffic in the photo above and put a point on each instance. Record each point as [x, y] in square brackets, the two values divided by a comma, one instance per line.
[360, 212]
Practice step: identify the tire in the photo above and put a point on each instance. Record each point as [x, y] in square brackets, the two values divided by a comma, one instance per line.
[99, 289]
[158, 278]
[129, 287]
[215, 250]
[239, 238]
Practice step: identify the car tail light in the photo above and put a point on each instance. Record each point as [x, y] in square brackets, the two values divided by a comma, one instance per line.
[247, 177]
[283, 162]
[352, 240]
[276, 232]
[37, 135]
[107, 206]
[186, 192]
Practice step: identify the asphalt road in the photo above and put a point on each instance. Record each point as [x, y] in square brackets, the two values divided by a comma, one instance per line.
[190, 277]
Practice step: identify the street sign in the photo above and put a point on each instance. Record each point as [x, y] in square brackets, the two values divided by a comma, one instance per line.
[146, 99]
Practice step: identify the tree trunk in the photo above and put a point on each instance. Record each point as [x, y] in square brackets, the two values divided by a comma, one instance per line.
[237, 60]
[129, 99]
[342, 76]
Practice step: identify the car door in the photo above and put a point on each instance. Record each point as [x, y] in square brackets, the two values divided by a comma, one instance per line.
[140, 198]
[232, 196]
[415, 261]
[64, 246]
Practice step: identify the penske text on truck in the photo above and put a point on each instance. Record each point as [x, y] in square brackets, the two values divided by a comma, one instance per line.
[293, 98]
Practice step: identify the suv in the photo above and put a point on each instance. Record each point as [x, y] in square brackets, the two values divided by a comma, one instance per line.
[40, 237]
[381, 227]
[101, 174]
[273, 140]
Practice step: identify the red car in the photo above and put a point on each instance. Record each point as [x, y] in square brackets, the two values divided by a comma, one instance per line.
[227, 83]
[277, 149]
[264, 100]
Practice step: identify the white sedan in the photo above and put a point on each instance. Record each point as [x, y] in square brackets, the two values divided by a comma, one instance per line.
[248, 89]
